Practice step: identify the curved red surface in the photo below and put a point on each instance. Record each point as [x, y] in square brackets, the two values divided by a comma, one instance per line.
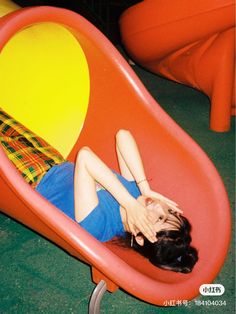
[177, 165]
[191, 42]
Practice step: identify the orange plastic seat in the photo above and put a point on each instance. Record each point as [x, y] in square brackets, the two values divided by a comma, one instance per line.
[191, 42]
[177, 165]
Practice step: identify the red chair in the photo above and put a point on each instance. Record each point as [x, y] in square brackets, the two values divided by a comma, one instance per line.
[191, 42]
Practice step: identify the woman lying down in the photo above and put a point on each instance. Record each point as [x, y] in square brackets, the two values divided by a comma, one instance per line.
[103, 202]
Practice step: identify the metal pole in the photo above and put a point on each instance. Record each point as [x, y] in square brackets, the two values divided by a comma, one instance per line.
[94, 304]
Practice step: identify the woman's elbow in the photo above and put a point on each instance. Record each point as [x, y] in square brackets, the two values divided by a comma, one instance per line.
[83, 153]
[122, 133]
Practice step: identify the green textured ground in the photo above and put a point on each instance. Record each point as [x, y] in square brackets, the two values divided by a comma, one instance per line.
[38, 277]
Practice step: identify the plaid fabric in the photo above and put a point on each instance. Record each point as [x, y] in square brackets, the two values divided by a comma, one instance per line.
[31, 155]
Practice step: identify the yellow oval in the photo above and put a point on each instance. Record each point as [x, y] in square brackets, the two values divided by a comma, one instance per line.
[44, 83]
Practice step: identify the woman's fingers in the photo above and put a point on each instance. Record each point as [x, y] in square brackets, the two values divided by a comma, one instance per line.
[147, 229]
[175, 209]
[132, 229]
[137, 218]
[167, 200]
[173, 205]
[162, 198]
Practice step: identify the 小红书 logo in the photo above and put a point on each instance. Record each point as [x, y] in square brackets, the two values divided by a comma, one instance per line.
[212, 289]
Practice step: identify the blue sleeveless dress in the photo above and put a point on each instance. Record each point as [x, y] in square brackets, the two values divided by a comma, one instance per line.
[104, 222]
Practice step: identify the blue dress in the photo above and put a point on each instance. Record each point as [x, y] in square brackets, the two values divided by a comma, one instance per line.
[104, 222]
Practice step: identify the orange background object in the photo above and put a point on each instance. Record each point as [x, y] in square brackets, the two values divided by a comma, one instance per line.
[191, 42]
[177, 165]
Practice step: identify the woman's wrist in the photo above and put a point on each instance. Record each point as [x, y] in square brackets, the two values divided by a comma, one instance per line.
[143, 186]
[130, 202]
[142, 180]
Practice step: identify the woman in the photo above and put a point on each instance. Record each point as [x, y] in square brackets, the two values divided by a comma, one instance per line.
[103, 202]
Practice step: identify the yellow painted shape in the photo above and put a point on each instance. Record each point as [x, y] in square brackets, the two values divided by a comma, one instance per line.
[7, 6]
[44, 83]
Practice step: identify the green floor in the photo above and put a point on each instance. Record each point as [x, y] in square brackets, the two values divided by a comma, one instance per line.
[38, 277]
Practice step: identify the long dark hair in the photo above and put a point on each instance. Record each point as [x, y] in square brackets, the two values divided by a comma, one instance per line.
[172, 249]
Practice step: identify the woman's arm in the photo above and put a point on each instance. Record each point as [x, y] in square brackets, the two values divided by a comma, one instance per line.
[130, 161]
[89, 169]
[131, 166]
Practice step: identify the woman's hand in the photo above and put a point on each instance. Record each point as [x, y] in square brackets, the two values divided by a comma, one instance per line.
[171, 204]
[137, 220]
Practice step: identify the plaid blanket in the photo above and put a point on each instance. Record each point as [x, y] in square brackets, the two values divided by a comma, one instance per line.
[31, 155]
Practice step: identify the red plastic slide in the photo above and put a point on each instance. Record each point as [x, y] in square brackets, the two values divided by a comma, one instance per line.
[191, 42]
[177, 165]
